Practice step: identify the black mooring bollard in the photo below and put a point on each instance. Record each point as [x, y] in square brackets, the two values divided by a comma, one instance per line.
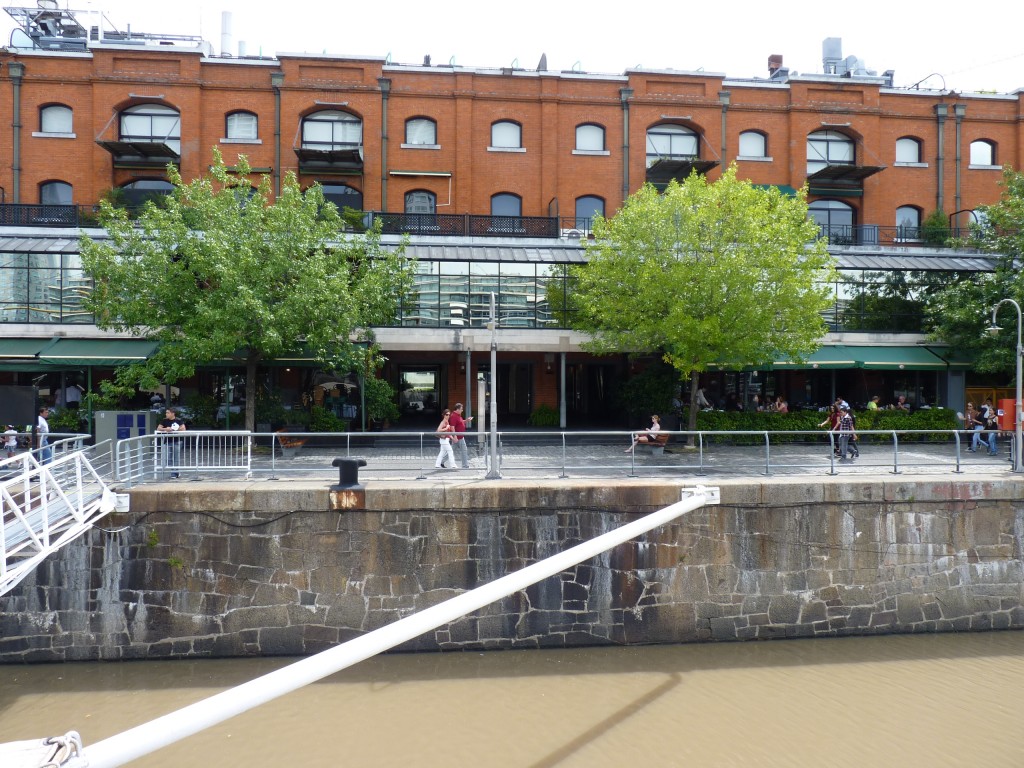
[348, 472]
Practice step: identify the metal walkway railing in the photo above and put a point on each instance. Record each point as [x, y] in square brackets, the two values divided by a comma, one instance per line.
[49, 497]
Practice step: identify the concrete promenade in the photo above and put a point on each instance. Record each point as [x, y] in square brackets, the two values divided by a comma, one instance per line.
[546, 458]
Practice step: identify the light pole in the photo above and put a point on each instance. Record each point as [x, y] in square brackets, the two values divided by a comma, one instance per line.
[1018, 465]
[493, 473]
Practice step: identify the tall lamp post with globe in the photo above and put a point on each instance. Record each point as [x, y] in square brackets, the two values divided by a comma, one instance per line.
[1018, 465]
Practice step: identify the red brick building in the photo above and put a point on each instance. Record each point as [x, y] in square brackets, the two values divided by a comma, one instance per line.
[523, 158]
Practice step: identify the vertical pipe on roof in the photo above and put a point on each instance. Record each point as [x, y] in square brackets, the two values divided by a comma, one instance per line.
[625, 94]
[941, 110]
[724, 97]
[959, 110]
[16, 70]
[385, 92]
[276, 81]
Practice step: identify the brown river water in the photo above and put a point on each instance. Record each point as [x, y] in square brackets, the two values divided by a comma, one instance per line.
[936, 700]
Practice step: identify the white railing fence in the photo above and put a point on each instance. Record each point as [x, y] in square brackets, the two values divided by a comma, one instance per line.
[150, 737]
[47, 500]
[158, 457]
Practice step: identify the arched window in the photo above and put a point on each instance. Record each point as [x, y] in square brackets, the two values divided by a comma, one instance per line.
[506, 134]
[55, 118]
[343, 196]
[825, 148]
[587, 207]
[506, 204]
[908, 222]
[590, 138]
[420, 131]
[420, 201]
[908, 150]
[242, 126]
[983, 152]
[55, 193]
[671, 142]
[152, 124]
[136, 193]
[753, 144]
[331, 130]
[836, 220]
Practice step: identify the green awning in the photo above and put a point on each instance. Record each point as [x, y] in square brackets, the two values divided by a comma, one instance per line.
[889, 358]
[23, 349]
[108, 353]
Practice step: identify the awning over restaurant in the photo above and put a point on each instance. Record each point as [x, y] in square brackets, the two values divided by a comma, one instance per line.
[22, 349]
[107, 353]
[906, 357]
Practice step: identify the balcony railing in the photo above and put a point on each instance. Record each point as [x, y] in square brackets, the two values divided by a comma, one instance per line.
[41, 215]
[473, 225]
[875, 234]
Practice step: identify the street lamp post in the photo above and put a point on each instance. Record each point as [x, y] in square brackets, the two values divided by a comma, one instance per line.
[493, 473]
[1018, 464]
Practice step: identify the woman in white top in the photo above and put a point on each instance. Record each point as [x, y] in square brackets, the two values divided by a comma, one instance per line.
[650, 437]
[446, 442]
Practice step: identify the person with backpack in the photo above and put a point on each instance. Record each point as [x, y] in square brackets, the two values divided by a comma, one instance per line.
[845, 432]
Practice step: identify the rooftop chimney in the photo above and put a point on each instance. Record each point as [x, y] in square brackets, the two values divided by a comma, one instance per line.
[774, 63]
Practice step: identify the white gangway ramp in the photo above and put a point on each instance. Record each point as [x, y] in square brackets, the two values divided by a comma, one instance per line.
[150, 737]
[44, 506]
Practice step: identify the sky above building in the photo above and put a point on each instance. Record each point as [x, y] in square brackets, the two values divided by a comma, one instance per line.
[943, 45]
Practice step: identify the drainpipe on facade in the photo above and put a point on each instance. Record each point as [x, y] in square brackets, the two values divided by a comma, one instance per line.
[959, 110]
[941, 110]
[724, 97]
[385, 92]
[16, 70]
[276, 81]
[625, 94]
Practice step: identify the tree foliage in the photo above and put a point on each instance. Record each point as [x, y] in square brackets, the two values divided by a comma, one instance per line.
[220, 272]
[705, 273]
[961, 312]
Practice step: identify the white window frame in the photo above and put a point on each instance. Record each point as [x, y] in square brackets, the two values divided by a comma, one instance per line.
[902, 154]
[990, 151]
[235, 123]
[590, 140]
[753, 145]
[153, 123]
[416, 131]
[331, 129]
[668, 141]
[56, 121]
[831, 142]
[506, 136]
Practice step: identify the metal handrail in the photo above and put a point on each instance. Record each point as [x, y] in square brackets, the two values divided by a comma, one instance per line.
[45, 502]
[412, 455]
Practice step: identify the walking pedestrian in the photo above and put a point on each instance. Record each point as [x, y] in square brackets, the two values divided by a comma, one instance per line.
[459, 427]
[172, 446]
[832, 422]
[42, 435]
[11, 440]
[845, 432]
[444, 437]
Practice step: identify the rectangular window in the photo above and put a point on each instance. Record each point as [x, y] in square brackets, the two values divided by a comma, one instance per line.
[242, 125]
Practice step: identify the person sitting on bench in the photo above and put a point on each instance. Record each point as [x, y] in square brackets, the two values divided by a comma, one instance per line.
[650, 437]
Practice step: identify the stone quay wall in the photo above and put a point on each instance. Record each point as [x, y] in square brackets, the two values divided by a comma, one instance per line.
[263, 569]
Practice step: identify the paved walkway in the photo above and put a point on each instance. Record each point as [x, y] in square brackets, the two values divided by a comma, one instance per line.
[547, 458]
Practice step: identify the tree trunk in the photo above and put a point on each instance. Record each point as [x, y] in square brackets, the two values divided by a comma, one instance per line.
[251, 362]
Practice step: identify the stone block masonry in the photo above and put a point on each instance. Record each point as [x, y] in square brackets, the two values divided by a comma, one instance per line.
[266, 569]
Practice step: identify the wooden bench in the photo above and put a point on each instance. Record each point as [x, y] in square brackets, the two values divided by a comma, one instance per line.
[657, 448]
[289, 445]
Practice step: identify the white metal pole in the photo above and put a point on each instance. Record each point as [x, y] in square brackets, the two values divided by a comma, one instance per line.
[1018, 443]
[493, 473]
[151, 736]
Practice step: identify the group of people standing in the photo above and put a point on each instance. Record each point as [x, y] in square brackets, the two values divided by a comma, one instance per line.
[983, 423]
[452, 430]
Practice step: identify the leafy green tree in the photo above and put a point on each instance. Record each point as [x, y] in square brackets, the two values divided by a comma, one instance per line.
[706, 273]
[960, 313]
[220, 271]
